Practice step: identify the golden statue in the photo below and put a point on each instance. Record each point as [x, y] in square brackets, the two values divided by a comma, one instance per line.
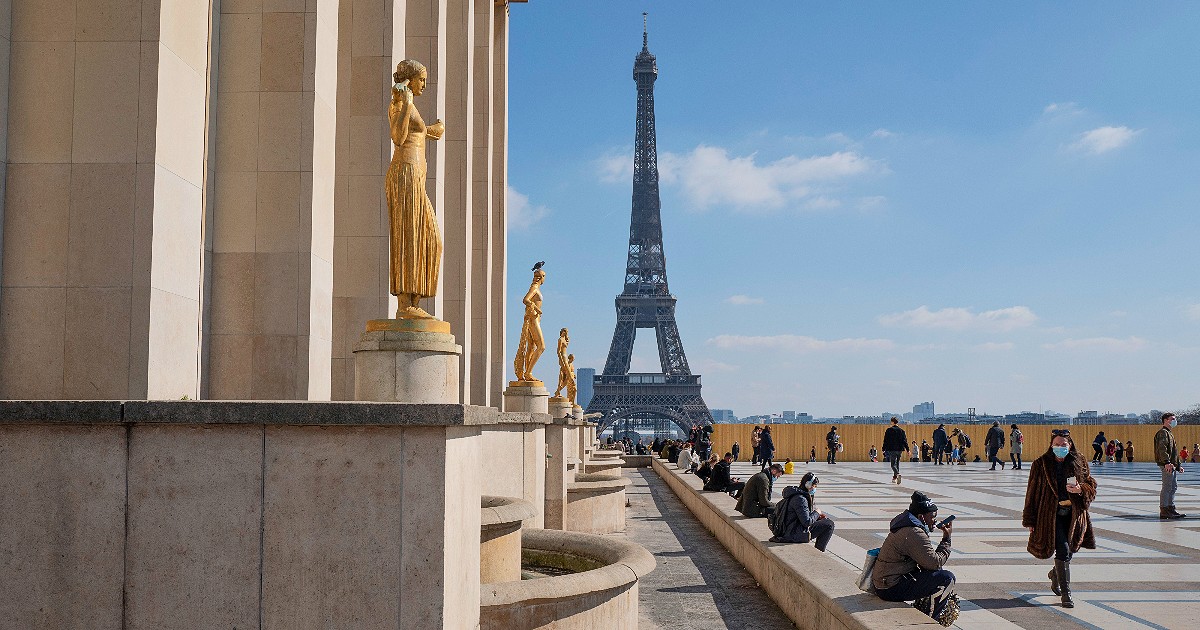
[532, 344]
[566, 368]
[416, 245]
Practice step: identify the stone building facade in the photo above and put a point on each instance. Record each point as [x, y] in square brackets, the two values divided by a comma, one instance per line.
[191, 192]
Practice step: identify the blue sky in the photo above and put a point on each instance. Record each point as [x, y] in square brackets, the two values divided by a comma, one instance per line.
[868, 205]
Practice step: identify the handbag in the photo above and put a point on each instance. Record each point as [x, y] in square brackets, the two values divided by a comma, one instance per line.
[864, 578]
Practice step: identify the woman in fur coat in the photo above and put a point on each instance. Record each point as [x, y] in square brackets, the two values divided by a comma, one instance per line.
[1061, 488]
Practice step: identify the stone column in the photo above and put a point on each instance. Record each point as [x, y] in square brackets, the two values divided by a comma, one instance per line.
[104, 199]
[559, 466]
[368, 31]
[270, 321]
[481, 362]
[498, 237]
[5, 50]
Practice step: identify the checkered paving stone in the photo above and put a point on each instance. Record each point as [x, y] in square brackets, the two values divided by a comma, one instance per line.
[1144, 573]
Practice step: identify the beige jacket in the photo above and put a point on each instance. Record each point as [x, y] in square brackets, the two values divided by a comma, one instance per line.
[906, 549]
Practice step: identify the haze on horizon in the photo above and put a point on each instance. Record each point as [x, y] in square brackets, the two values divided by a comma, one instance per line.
[870, 206]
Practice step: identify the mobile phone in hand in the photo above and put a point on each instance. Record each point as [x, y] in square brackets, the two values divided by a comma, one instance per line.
[1072, 481]
[949, 519]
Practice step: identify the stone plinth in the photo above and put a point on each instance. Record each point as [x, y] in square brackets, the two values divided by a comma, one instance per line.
[500, 538]
[406, 366]
[299, 515]
[562, 463]
[515, 463]
[530, 396]
[559, 407]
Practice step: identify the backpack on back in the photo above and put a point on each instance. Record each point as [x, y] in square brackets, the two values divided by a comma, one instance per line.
[777, 518]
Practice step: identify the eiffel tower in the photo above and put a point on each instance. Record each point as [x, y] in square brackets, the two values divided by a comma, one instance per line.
[674, 393]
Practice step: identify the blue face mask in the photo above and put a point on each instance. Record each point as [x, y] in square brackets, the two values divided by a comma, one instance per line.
[1174, 422]
[1060, 451]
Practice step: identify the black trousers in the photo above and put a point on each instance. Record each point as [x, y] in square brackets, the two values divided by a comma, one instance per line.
[1062, 527]
[938, 585]
[1098, 455]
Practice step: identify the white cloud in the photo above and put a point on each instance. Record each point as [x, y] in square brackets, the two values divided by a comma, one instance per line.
[709, 175]
[1068, 107]
[1104, 139]
[742, 300]
[882, 133]
[1099, 343]
[616, 167]
[993, 346]
[1193, 312]
[797, 343]
[522, 214]
[712, 365]
[999, 320]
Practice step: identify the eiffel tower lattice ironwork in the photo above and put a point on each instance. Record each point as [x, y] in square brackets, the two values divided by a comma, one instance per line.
[646, 302]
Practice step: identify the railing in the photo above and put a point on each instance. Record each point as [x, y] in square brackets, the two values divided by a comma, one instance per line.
[647, 379]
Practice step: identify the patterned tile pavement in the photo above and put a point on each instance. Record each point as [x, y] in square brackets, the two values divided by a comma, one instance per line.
[1145, 572]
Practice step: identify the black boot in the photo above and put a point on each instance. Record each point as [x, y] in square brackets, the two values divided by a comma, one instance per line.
[1063, 568]
[1053, 575]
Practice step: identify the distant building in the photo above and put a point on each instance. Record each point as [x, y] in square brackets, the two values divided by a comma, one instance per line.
[804, 418]
[724, 416]
[583, 380]
[923, 411]
[789, 417]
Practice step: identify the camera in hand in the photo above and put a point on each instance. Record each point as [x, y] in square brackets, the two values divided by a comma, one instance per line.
[947, 521]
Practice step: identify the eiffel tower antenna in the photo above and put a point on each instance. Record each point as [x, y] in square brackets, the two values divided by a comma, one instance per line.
[646, 302]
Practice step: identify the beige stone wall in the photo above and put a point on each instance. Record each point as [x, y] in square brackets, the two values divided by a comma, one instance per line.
[270, 320]
[5, 51]
[104, 195]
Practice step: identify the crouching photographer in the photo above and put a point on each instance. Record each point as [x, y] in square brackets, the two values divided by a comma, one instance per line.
[910, 568]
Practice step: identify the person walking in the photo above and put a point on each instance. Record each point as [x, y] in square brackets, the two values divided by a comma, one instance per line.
[832, 439]
[1129, 451]
[1060, 491]
[736, 450]
[766, 448]
[992, 443]
[1166, 455]
[1098, 448]
[941, 444]
[755, 439]
[1016, 443]
[895, 442]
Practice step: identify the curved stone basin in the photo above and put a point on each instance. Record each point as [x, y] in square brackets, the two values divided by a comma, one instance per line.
[604, 466]
[596, 503]
[607, 454]
[601, 594]
[500, 537]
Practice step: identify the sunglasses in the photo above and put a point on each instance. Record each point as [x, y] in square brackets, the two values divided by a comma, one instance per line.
[1060, 433]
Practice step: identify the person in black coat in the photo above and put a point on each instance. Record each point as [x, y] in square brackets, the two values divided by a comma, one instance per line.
[766, 448]
[720, 481]
[992, 443]
[798, 521]
[941, 444]
[736, 451]
[895, 445]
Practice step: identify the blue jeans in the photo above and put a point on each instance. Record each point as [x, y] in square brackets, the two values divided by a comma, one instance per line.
[937, 585]
[1170, 483]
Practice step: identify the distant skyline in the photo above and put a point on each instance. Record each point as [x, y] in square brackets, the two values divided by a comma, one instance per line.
[868, 205]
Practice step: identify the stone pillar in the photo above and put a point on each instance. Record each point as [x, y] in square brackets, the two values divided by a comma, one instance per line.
[498, 237]
[559, 468]
[270, 322]
[5, 51]
[105, 188]
[368, 30]
[481, 362]
[413, 366]
[526, 396]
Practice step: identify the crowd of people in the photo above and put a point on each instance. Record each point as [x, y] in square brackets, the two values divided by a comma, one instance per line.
[909, 566]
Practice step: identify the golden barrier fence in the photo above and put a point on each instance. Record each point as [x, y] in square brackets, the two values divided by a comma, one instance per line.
[795, 440]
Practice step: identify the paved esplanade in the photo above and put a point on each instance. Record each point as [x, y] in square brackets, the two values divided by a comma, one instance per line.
[1144, 573]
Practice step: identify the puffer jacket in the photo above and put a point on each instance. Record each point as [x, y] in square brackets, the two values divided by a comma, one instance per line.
[797, 516]
[906, 549]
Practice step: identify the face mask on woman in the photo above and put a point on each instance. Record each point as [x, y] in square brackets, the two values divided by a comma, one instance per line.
[1061, 451]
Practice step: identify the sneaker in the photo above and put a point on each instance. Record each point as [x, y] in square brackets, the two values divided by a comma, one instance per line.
[949, 612]
[899, 478]
[925, 605]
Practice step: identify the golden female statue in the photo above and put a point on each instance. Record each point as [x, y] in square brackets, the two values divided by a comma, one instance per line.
[416, 246]
[532, 344]
[566, 372]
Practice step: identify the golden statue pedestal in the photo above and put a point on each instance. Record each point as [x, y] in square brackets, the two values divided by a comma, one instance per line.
[528, 396]
[407, 360]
